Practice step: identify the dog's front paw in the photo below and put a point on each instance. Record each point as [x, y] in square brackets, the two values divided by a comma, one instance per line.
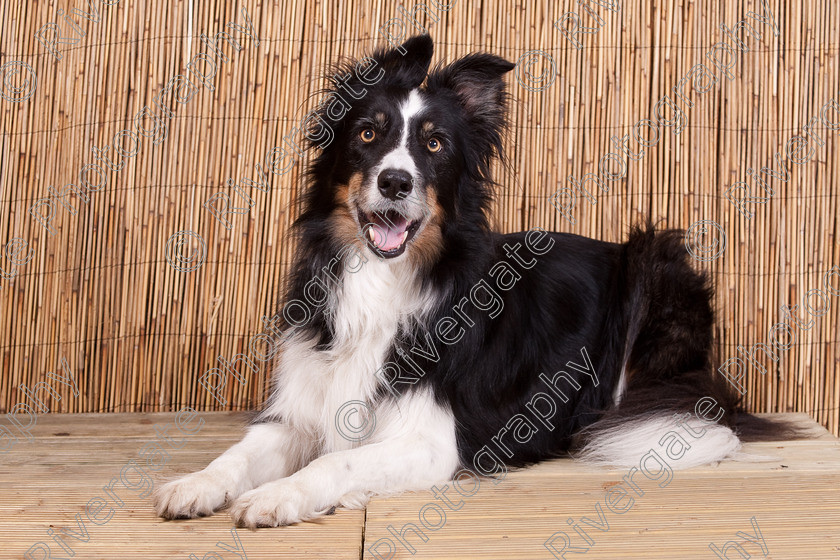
[194, 495]
[281, 502]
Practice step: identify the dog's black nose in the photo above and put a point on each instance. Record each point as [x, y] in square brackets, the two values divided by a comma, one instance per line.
[394, 183]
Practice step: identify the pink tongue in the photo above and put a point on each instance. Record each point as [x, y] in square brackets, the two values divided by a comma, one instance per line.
[389, 233]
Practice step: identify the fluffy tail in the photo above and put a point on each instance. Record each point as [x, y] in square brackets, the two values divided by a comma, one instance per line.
[752, 428]
[669, 398]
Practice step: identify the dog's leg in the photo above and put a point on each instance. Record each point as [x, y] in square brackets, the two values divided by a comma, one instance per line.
[267, 452]
[414, 449]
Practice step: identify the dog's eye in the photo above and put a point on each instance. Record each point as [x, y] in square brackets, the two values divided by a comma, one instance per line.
[433, 145]
[367, 135]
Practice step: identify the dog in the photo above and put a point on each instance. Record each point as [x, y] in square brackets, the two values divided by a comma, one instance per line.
[472, 351]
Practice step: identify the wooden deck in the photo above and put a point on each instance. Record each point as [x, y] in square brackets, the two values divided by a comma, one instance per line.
[795, 501]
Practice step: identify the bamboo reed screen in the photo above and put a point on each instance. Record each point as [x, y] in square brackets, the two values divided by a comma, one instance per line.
[137, 334]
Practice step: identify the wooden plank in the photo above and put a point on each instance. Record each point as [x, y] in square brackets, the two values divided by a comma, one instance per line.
[48, 481]
[139, 425]
[792, 496]
[516, 518]
[793, 499]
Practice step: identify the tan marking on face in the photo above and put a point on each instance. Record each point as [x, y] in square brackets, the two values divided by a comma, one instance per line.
[424, 250]
[380, 119]
[343, 220]
[428, 127]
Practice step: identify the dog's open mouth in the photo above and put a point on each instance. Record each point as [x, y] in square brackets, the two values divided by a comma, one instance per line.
[387, 233]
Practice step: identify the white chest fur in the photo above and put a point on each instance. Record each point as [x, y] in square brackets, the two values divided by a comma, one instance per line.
[368, 309]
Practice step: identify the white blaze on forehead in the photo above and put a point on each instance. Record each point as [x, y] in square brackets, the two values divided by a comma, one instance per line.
[400, 158]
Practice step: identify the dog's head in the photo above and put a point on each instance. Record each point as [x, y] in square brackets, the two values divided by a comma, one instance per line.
[409, 152]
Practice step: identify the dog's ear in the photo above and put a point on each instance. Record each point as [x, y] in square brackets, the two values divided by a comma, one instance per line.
[408, 64]
[477, 81]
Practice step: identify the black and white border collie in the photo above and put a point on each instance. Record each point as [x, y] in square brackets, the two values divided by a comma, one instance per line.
[449, 332]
